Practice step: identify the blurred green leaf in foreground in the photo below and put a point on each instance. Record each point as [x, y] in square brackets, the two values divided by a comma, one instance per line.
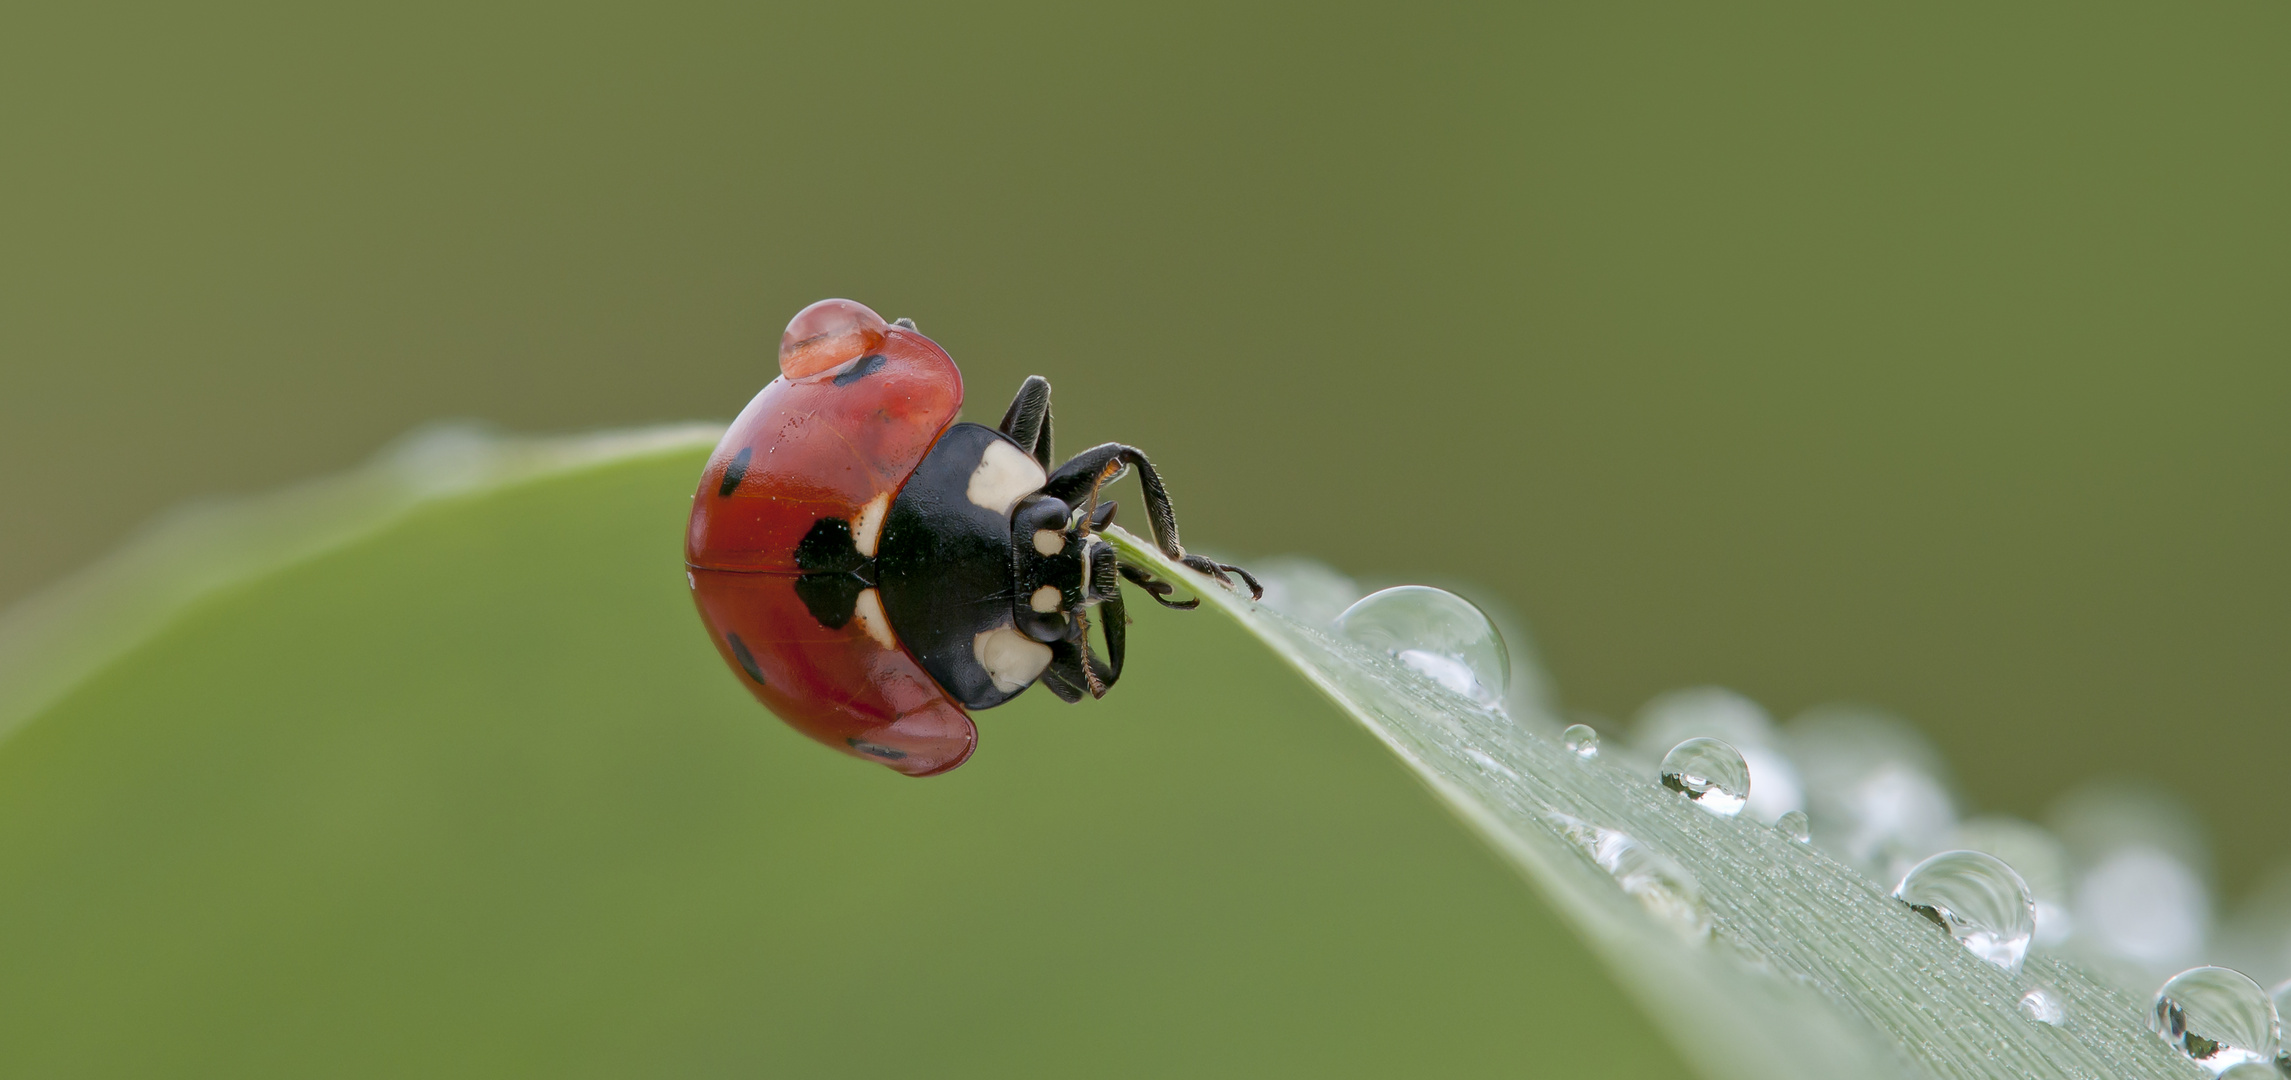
[430, 770]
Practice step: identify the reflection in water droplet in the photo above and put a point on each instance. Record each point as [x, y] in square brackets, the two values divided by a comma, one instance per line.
[2218, 1017]
[2043, 1006]
[1978, 899]
[1717, 713]
[1711, 773]
[1582, 740]
[2038, 857]
[1659, 884]
[1795, 826]
[1435, 633]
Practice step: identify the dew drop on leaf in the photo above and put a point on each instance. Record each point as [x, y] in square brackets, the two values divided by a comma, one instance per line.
[1582, 740]
[2044, 1006]
[1795, 826]
[1436, 634]
[1710, 772]
[2218, 1017]
[1660, 885]
[1979, 900]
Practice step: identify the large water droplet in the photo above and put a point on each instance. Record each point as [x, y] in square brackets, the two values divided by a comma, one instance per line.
[1718, 713]
[1582, 740]
[1978, 899]
[1435, 633]
[1659, 884]
[2217, 1016]
[1711, 773]
[2044, 1006]
[2038, 857]
[1795, 825]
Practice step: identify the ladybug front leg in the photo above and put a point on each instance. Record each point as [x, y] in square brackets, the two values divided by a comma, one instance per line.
[1077, 483]
[1028, 421]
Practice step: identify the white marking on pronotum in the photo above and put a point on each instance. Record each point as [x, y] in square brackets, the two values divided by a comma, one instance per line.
[1044, 600]
[1010, 658]
[1004, 475]
[867, 528]
[869, 611]
[1048, 542]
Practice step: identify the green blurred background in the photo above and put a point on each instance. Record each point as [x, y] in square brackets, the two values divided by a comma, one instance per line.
[1933, 359]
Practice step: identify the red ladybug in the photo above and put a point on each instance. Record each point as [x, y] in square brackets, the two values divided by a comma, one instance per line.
[872, 569]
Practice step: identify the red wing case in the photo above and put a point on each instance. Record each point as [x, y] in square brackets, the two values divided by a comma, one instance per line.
[838, 685]
[819, 454]
[831, 444]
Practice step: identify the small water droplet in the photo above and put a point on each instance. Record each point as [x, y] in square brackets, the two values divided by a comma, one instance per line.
[2044, 1006]
[1718, 713]
[1795, 825]
[1435, 633]
[1582, 740]
[1978, 899]
[1652, 878]
[1711, 773]
[2218, 1017]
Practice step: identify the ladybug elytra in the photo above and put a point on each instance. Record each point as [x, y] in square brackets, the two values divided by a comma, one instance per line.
[872, 569]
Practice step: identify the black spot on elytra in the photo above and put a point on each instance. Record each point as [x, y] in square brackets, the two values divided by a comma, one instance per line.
[867, 365]
[736, 471]
[831, 598]
[747, 659]
[828, 548]
[834, 572]
[875, 749]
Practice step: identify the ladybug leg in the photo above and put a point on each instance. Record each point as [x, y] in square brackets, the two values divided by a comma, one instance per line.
[1028, 421]
[1077, 483]
[1156, 588]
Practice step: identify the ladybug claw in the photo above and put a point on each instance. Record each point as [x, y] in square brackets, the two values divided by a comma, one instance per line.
[1157, 588]
[1218, 570]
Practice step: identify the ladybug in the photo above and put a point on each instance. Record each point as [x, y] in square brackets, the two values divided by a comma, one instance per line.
[873, 570]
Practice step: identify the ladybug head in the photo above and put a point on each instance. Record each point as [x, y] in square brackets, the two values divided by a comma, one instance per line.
[1062, 571]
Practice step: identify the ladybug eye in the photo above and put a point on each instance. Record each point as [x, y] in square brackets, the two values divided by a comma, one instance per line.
[829, 333]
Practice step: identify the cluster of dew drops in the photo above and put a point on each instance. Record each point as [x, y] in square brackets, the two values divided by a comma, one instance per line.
[2117, 882]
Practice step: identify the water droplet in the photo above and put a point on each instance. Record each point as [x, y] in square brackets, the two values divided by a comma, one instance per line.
[1711, 773]
[1795, 826]
[1435, 633]
[1978, 899]
[2218, 1017]
[2041, 861]
[2044, 1006]
[1582, 740]
[1659, 884]
[1718, 713]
